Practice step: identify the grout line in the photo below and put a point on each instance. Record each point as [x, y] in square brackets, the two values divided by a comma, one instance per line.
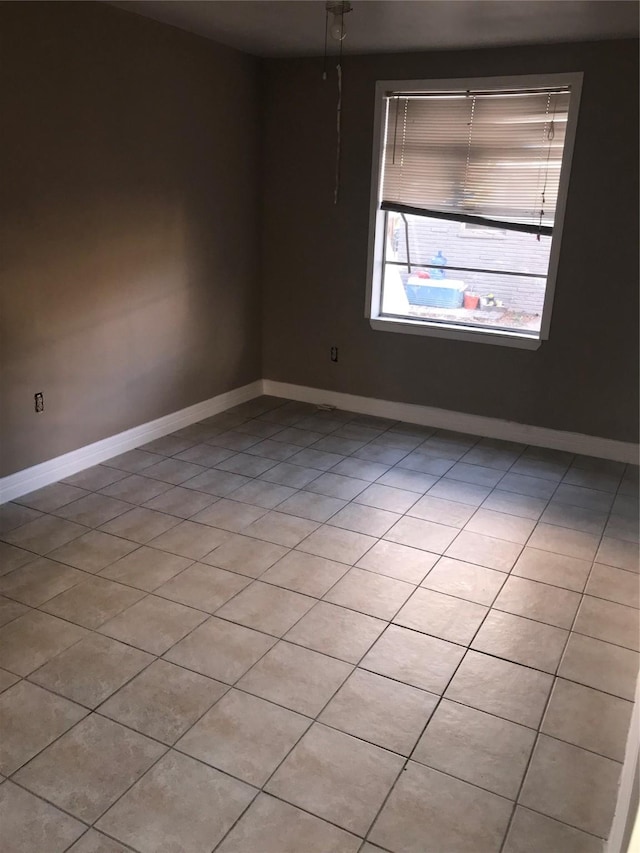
[551, 693]
[49, 802]
[316, 721]
[125, 847]
[316, 601]
[431, 715]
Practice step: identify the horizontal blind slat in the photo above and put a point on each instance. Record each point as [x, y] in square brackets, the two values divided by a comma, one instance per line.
[489, 156]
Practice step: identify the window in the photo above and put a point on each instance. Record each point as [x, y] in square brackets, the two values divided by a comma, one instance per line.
[468, 193]
[470, 229]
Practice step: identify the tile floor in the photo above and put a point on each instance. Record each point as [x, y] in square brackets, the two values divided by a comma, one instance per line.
[285, 630]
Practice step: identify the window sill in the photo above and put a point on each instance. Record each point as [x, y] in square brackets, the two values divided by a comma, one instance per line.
[441, 330]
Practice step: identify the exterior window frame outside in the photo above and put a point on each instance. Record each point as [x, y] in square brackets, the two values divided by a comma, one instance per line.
[483, 233]
[376, 249]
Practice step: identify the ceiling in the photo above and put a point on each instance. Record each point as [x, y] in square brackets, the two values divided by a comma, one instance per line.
[271, 28]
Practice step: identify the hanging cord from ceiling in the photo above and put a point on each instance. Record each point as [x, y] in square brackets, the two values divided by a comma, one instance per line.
[337, 9]
[336, 191]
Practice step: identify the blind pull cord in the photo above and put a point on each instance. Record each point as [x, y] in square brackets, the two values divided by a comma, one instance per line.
[395, 132]
[550, 134]
[465, 190]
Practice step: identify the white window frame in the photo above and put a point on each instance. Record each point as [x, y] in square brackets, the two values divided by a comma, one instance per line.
[512, 338]
[483, 233]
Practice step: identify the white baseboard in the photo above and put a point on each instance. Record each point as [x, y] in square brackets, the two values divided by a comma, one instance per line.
[30, 479]
[574, 442]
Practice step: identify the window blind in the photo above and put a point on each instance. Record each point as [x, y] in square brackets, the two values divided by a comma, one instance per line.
[491, 158]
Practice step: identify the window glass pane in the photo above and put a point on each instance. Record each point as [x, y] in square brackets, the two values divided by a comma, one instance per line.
[483, 300]
[468, 246]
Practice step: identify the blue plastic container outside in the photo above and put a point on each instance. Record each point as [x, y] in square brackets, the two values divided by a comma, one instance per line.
[439, 261]
[444, 294]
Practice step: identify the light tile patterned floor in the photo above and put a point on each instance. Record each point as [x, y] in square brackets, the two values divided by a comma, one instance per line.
[285, 630]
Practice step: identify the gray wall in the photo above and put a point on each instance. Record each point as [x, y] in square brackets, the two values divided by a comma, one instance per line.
[133, 188]
[585, 378]
[129, 271]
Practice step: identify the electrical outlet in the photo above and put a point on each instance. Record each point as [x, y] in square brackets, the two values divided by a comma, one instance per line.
[39, 401]
[334, 354]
